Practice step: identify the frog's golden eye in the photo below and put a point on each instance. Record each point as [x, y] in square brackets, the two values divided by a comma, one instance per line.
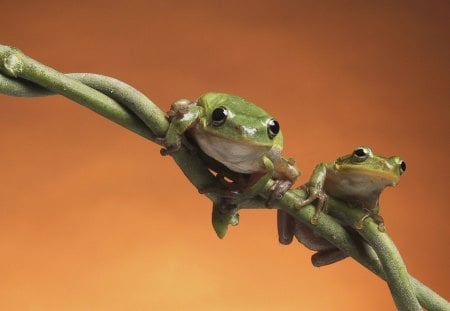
[273, 128]
[219, 115]
[402, 167]
[361, 154]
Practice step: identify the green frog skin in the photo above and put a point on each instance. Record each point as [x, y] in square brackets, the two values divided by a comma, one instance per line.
[357, 179]
[238, 134]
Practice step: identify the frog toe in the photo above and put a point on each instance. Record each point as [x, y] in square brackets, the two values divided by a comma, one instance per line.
[314, 194]
[376, 218]
[321, 207]
[379, 221]
[360, 223]
[170, 149]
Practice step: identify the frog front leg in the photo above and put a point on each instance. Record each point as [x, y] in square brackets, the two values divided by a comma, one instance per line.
[285, 174]
[183, 114]
[273, 170]
[315, 190]
[224, 214]
[258, 181]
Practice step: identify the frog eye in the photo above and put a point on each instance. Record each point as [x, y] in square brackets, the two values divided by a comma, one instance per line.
[273, 128]
[361, 153]
[402, 167]
[219, 115]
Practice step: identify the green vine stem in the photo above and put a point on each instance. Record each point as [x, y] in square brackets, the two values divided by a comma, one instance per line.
[22, 76]
[17, 65]
[391, 261]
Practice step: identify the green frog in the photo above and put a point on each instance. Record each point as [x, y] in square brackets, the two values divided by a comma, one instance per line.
[357, 179]
[239, 135]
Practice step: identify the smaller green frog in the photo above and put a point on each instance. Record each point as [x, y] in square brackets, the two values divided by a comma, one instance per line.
[357, 179]
[239, 135]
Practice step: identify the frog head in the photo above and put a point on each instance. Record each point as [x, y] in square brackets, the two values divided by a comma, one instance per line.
[367, 167]
[236, 132]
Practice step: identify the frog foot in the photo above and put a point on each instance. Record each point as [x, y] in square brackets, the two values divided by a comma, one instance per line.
[377, 218]
[279, 188]
[170, 149]
[327, 257]
[179, 108]
[224, 214]
[313, 195]
[379, 221]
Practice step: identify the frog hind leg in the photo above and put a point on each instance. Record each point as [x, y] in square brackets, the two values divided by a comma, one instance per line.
[286, 227]
[326, 253]
[306, 236]
[315, 191]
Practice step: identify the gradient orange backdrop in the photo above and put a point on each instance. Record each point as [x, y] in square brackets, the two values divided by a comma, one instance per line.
[93, 218]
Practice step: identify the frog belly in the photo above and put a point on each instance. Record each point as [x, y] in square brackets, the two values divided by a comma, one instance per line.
[238, 157]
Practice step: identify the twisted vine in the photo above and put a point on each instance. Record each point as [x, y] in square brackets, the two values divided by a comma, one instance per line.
[20, 75]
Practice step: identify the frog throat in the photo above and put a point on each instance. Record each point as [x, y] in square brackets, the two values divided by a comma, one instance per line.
[238, 156]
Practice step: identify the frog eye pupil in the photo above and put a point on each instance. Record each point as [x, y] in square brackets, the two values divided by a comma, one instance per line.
[219, 115]
[273, 128]
[402, 167]
[361, 154]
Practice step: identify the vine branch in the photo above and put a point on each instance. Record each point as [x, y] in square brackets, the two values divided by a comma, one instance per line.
[20, 75]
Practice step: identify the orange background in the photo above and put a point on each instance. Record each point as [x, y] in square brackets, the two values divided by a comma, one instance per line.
[93, 218]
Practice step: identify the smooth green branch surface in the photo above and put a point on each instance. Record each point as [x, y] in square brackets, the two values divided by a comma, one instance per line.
[119, 102]
[329, 227]
[15, 64]
[394, 268]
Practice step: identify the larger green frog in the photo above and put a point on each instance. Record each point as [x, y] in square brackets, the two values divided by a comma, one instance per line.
[241, 136]
[357, 179]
